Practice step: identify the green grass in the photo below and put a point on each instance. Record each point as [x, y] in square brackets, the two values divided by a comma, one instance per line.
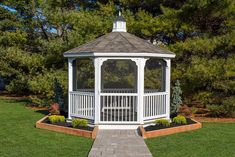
[20, 138]
[213, 140]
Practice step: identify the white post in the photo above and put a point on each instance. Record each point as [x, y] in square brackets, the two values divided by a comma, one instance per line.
[168, 86]
[97, 65]
[70, 84]
[140, 73]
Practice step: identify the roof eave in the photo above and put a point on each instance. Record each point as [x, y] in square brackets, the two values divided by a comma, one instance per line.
[119, 54]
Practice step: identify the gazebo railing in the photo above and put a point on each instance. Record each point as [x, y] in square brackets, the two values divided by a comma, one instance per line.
[154, 105]
[118, 107]
[82, 104]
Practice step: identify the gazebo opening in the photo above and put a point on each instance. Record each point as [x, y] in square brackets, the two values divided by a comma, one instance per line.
[118, 76]
[154, 75]
[118, 83]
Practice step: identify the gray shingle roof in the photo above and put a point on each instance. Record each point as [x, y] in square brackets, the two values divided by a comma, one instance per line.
[118, 42]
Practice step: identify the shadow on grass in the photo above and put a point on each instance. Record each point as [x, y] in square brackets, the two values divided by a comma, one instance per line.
[45, 112]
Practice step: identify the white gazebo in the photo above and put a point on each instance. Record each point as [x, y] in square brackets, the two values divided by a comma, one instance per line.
[111, 104]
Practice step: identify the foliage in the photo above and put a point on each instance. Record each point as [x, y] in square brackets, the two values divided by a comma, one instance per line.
[55, 109]
[35, 34]
[176, 99]
[226, 109]
[79, 122]
[216, 110]
[180, 119]
[163, 122]
[229, 106]
[58, 93]
[56, 119]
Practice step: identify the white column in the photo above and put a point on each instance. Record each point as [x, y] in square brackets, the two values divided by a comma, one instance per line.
[70, 84]
[168, 86]
[140, 74]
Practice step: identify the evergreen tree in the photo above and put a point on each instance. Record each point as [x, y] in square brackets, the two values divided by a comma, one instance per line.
[176, 99]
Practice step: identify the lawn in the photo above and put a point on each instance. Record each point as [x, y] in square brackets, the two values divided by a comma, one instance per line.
[213, 140]
[20, 138]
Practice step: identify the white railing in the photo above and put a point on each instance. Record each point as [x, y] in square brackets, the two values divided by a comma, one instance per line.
[118, 90]
[85, 90]
[118, 107]
[82, 104]
[154, 105]
[151, 90]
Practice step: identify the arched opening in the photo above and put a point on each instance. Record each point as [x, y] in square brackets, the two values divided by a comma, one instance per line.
[118, 76]
[154, 75]
[84, 73]
[118, 97]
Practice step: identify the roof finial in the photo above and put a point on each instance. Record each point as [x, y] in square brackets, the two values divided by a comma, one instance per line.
[119, 13]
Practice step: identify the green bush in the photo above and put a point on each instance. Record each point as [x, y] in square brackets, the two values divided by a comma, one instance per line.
[163, 122]
[229, 107]
[216, 110]
[56, 118]
[226, 109]
[79, 122]
[180, 120]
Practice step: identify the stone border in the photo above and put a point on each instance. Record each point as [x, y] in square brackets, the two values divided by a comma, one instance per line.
[169, 131]
[66, 130]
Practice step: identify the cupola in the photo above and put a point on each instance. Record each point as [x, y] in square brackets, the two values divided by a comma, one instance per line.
[119, 24]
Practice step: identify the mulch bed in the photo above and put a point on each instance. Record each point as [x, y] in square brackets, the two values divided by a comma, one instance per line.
[158, 127]
[69, 125]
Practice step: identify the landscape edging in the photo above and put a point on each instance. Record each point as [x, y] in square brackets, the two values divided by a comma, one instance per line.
[169, 131]
[66, 130]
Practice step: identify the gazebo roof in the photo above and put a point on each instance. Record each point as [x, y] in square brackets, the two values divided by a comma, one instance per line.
[119, 43]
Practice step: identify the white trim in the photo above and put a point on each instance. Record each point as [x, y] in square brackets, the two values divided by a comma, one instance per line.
[155, 93]
[70, 83]
[168, 85]
[122, 54]
[118, 94]
[97, 65]
[119, 127]
[141, 65]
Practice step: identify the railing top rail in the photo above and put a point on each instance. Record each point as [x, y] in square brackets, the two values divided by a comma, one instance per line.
[156, 93]
[119, 94]
[82, 93]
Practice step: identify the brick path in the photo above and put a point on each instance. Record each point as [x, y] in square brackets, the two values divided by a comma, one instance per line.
[119, 143]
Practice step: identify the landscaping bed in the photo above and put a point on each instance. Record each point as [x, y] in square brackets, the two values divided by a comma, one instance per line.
[65, 127]
[160, 130]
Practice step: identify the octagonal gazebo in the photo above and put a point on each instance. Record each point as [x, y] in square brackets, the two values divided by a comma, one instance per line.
[112, 104]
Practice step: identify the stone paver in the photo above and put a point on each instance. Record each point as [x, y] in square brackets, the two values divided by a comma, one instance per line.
[119, 143]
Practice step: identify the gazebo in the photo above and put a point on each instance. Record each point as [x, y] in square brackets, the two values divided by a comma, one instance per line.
[126, 102]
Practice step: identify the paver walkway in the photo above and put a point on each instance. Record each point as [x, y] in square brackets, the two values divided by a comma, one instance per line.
[119, 143]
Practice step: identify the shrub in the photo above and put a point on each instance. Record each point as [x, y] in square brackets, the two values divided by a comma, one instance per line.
[185, 110]
[55, 109]
[79, 122]
[229, 107]
[163, 122]
[58, 98]
[176, 99]
[216, 110]
[56, 119]
[180, 120]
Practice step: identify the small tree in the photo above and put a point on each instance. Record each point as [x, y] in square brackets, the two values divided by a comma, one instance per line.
[176, 99]
[58, 94]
